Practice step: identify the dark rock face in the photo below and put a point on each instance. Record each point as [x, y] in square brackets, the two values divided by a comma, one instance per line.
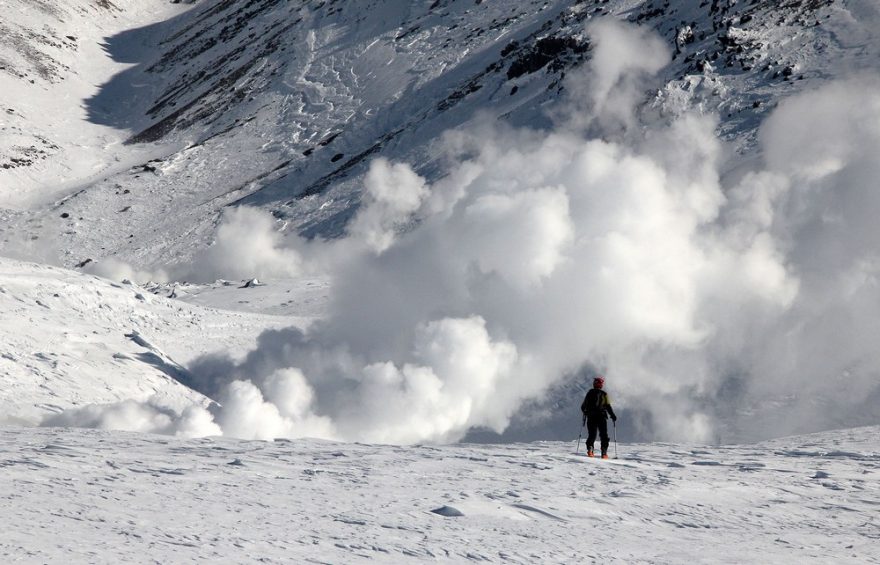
[559, 52]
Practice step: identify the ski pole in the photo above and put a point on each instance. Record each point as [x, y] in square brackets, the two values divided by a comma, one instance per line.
[615, 438]
[580, 433]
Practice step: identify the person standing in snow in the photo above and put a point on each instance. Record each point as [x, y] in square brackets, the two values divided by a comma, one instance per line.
[596, 409]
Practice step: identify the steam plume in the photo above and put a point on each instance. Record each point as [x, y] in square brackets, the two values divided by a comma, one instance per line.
[541, 253]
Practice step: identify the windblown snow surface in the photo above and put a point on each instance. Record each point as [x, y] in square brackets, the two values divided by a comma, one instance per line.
[108, 497]
[72, 339]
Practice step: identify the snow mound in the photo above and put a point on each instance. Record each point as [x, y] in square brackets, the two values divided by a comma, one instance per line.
[68, 339]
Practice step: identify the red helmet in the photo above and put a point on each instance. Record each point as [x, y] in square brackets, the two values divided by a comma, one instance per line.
[598, 382]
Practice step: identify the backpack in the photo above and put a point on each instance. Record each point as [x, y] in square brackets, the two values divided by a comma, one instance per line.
[595, 402]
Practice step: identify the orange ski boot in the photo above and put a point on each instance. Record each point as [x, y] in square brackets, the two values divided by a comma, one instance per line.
[590, 453]
[604, 456]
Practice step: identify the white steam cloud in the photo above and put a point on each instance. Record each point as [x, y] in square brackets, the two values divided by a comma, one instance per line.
[133, 416]
[541, 253]
[393, 194]
[247, 245]
[284, 411]
[118, 270]
[624, 57]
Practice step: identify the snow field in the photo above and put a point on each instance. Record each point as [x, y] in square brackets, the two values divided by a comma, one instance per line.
[69, 339]
[81, 496]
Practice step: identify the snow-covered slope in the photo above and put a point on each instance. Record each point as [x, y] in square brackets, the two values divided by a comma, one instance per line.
[78, 496]
[53, 57]
[311, 91]
[69, 339]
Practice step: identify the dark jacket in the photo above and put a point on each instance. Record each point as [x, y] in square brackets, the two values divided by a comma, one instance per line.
[597, 405]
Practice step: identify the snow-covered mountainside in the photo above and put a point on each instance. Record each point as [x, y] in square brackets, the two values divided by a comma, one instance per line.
[92, 496]
[53, 57]
[311, 91]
